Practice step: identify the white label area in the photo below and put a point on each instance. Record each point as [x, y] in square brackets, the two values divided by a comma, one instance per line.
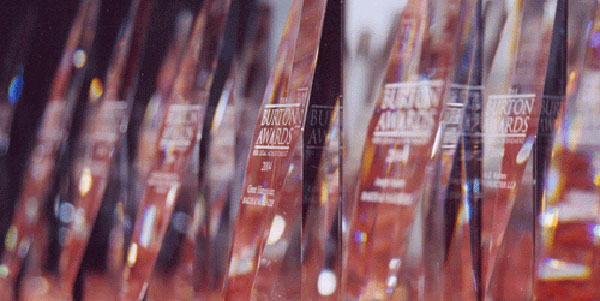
[181, 125]
[509, 116]
[111, 121]
[395, 198]
[408, 112]
[277, 125]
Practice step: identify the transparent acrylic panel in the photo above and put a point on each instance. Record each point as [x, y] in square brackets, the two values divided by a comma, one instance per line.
[513, 94]
[265, 258]
[28, 221]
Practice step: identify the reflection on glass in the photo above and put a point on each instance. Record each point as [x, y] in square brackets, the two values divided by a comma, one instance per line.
[105, 124]
[55, 124]
[460, 156]
[321, 234]
[211, 219]
[569, 233]
[514, 89]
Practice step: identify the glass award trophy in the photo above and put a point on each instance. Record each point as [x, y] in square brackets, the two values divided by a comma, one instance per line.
[229, 145]
[104, 127]
[163, 284]
[265, 258]
[172, 277]
[518, 238]
[283, 260]
[179, 127]
[397, 151]
[567, 267]
[26, 221]
[250, 88]
[13, 59]
[511, 108]
[211, 220]
[166, 74]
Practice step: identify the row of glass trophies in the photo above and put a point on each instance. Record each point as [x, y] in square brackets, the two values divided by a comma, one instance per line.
[169, 163]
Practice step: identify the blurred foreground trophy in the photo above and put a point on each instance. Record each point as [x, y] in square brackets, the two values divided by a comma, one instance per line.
[105, 123]
[227, 151]
[165, 277]
[180, 122]
[28, 220]
[13, 58]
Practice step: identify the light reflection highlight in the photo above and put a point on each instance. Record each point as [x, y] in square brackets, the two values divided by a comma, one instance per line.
[96, 89]
[24, 248]
[550, 219]
[558, 270]
[85, 182]
[597, 179]
[147, 226]
[395, 263]
[171, 195]
[392, 281]
[79, 58]
[327, 283]
[360, 236]
[277, 228]
[132, 255]
[15, 89]
[66, 212]
[3, 271]
[10, 242]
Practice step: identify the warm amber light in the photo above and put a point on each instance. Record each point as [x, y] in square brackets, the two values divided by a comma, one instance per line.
[132, 256]
[10, 242]
[96, 89]
[85, 182]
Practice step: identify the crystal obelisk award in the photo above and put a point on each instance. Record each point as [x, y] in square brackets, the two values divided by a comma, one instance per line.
[163, 285]
[180, 124]
[398, 149]
[236, 114]
[52, 133]
[255, 262]
[514, 89]
[249, 92]
[568, 267]
[283, 255]
[149, 130]
[211, 233]
[107, 118]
